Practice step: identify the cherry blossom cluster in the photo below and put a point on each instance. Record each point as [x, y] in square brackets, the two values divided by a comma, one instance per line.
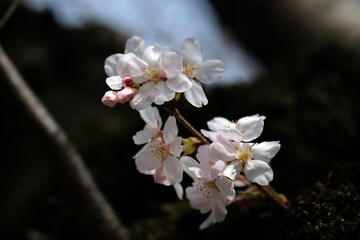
[154, 76]
[158, 73]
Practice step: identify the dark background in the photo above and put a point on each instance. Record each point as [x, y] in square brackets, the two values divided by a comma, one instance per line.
[309, 94]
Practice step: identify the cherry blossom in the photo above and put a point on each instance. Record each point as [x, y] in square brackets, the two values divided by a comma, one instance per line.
[197, 71]
[245, 129]
[208, 194]
[159, 157]
[252, 158]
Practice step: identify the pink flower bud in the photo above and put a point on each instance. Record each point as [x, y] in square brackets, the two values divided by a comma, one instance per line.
[125, 95]
[109, 99]
[127, 82]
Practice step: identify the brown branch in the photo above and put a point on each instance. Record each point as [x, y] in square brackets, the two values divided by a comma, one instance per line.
[9, 12]
[95, 207]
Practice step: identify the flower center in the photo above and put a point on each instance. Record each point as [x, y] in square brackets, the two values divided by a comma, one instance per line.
[243, 153]
[191, 69]
[152, 73]
[159, 149]
[204, 186]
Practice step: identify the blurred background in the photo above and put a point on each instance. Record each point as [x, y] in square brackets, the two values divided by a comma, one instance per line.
[296, 62]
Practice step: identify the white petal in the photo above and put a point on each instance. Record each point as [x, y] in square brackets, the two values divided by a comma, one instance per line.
[132, 66]
[145, 135]
[142, 98]
[151, 116]
[161, 93]
[179, 83]
[229, 134]
[203, 153]
[179, 190]
[188, 162]
[114, 82]
[170, 130]
[146, 160]
[173, 169]
[218, 123]
[159, 176]
[233, 170]
[197, 199]
[209, 134]
[226, 187]
[170, 64]
[191, 50]
[251, 127]
[218, 151]
[211, 71]
[208, 222]
[151, 55]
[111, 63]
[266, 150]
[135, 45]
[195, 95]
[218, 206]
[216, 169]
[259, 172]
[175, 147]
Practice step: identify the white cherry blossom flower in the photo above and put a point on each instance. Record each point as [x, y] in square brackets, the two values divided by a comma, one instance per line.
[196, 70]
[208, 194]
[158, 73]
[253, 158]
[133, 45]
[159, 157]
[245, 129]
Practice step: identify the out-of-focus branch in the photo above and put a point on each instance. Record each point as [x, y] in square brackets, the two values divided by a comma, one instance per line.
[9, 12]
[100, 215]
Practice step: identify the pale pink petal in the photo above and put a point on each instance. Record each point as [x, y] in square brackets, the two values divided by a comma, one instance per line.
[147, 160]
[145, 135]
[229, 134]
[209, 134]
[160, 176]
[232, 170]
[218, 206]
[250, 127]
[151, 55]
[259, 172]
[170, 130]
[135, 45]
[216, 169]
[191, 50]
[111, 63]
[197, 199]
[218, 151]
[218, 123]
[132, 66]
[211, 71]
[151, 117]
[179, 190]
[161, 93]
[226, 187]
[175, 147]
[142, 99]
[210, 220]
[203, 153]
[195, 95]
[114, 82]
[266, 150]
[173, 169]
[188, 162]
[170, 64]
[179, 83]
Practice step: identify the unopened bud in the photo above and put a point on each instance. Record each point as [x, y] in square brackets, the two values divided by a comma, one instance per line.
[127, 82]
[109, 99]
[125, 95]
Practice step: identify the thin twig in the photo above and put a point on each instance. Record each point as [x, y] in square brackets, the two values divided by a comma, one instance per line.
[9, 12]
[94, 205]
